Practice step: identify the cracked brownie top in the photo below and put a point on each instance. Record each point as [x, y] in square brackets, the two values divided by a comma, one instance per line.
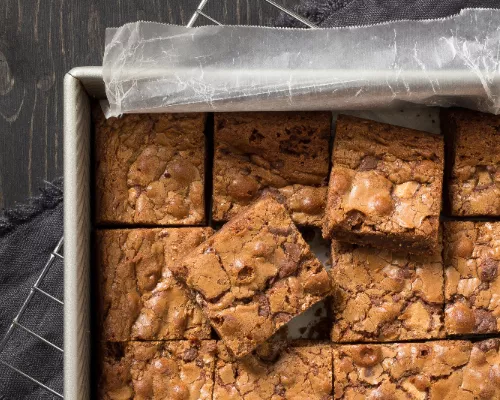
[177, 370]
[138, 296]
[150, 169]
[254, 275]
[433, 370]
[385, 296]
[385, 186]
[474, 161]
[287, 152]
[472, 261]
[298, 371]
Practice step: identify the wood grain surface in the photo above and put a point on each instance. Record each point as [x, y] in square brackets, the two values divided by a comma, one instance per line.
[40, 40]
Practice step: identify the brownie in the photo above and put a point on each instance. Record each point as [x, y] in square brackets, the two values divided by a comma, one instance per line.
[472, 284]
[284, 152]
[473, 162]
[439, 370]
[254, 275]
[298, 371]
[174, 370]
[385, 186]
[138, 298]
[385, 296]
[149, 169]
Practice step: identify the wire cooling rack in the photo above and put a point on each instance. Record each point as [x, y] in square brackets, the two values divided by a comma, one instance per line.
[18, 325]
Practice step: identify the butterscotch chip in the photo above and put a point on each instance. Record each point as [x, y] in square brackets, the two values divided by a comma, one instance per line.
[150, 169]
[254, 275]
[385, 186]
[473, 141]
[433, 370]
[472, 284]
[286, 152]
[300, 371]
[178, 370]
[138, 298]
[382, 295]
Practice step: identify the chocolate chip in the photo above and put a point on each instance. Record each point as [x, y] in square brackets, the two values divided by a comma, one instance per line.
[293, 250]
[190, 354]
[287, 268]
[367, 356]
[488, 270]
[280, 390]
[485, 321]
[280, 231]
[264, 308]
[368, 163]
[487, 345]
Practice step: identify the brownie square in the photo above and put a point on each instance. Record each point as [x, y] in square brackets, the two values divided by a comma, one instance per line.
[284, 152]
[385, 296]
[472, 284]
[473, 162]
[138, 298]
[385, 186]
[298, 371]
[254, 275]
[432, 370]
[150, 169]
[157, 370]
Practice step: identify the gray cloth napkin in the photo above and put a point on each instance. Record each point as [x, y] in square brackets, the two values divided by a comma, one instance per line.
[29, 233]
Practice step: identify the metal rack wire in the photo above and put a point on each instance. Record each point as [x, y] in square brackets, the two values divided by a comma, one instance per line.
[16, 324]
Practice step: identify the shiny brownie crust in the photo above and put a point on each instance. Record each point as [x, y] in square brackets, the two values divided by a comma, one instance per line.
[385, 186]
[150, 169]
[254, 275]
[283, 152]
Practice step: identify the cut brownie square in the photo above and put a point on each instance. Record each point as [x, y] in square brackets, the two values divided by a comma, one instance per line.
[254, 275]
[157, 370]
[385, 296]
[472, 284]
[285, 152]
[299, 371]
[138, 298]
[403, 371]
[385, 186]
[473, 162]
[150, 169]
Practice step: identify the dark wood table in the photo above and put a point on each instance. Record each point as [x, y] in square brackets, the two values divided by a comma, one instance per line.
[41, 40]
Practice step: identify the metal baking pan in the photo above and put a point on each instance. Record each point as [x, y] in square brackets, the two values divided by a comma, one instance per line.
[80, 85]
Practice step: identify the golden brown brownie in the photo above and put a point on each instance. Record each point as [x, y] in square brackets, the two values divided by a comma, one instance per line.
[473, 158]
[472, 261]
[175, 370]
[385, 186]
[385, 296]
[299, 371]
[150, 169]
[285, 152]
[138, 296]
[439, 370]
[254, 275]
